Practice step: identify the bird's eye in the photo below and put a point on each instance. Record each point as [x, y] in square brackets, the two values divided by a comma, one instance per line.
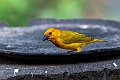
[50, 33]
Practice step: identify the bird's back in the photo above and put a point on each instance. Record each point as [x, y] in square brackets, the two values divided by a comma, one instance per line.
[74, 37]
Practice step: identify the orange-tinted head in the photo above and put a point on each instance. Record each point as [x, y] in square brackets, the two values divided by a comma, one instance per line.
[50, 34]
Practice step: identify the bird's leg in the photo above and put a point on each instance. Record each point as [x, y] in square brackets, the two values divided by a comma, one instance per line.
[79, 49]
[70, 51]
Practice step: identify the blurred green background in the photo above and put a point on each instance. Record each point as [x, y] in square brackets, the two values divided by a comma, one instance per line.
[19, 12]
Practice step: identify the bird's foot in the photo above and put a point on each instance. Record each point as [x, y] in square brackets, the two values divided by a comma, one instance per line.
[69, 52]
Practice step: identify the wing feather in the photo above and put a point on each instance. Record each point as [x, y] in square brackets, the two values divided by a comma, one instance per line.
[74, 37]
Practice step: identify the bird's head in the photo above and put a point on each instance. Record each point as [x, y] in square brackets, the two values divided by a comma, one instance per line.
[50, 34]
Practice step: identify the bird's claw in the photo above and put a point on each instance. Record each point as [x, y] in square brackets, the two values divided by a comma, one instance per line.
[70, 52]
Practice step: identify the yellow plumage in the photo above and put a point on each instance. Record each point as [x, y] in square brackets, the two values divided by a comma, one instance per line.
[70, 40]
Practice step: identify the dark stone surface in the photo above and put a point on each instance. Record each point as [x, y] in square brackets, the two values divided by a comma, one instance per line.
[3, 24]
[28, 40]
[22, 48]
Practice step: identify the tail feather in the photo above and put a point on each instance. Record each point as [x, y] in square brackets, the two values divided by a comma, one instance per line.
[99, 40]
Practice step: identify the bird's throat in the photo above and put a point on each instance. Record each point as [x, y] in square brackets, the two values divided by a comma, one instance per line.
[53, 41]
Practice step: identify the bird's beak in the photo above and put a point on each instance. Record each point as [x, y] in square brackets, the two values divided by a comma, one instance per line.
[45, 38]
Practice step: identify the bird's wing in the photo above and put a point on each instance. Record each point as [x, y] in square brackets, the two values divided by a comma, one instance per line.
[74, 37]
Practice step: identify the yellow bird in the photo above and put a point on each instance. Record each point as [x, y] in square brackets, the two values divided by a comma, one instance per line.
[69, 40]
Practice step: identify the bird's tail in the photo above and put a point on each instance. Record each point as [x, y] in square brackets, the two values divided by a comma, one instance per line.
[99, 40]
